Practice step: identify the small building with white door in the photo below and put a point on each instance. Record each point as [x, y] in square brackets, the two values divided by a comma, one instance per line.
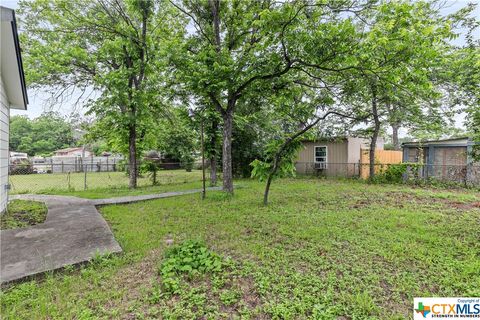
[333, 156]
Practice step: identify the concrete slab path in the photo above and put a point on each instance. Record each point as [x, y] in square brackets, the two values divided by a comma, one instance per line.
[73, 232]
[128, 199]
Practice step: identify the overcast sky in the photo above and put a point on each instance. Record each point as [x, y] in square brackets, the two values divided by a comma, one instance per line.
[39, 101]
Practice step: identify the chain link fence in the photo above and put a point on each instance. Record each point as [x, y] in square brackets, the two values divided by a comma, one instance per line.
[467, 175]
[26, 178]
[30, 178]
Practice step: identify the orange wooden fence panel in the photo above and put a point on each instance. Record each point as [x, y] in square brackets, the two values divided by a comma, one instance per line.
[381, 157]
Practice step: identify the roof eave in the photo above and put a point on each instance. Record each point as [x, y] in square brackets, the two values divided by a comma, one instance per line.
[20, 62]
[8, 15]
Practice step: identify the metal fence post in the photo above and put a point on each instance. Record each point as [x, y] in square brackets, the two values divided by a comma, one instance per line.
[405, 174]
[85, 178]
[468, 173]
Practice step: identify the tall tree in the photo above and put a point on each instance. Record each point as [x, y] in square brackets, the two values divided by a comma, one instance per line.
[113, 47]
[231, 48]
[42, 135]
[297, 109]
[401, 45]
[466, 67]
[238, 45]
[212, 123]
[463, 74]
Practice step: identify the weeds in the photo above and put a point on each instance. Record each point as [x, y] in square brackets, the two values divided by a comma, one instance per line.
[322, 249]
[23, 213]
[190, 258]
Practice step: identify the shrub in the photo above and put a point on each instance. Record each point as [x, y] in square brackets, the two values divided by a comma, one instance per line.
[189, 258]
[151, 164]
[395, 172]
[398, 173]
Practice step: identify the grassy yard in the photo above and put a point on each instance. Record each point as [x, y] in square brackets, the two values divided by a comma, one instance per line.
[100, 184]
[23, 213]
[323, 249]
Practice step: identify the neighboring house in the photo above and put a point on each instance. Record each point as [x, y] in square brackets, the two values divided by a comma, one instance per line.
[339, 156]
[13, 92]
[73, 152]
[446, 158]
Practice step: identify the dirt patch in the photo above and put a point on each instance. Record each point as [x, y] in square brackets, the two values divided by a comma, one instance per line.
[137, 281]
[23, 213]
[130, 280]
[249, 294]
[402, 199]
[463, 205]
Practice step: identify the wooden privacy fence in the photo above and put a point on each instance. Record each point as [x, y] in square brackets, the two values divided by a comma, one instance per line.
[385, 157]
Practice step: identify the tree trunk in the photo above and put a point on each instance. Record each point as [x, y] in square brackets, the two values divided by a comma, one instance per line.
[278, 155]
[213, 170]
[373, 146]
[132, 156]
[396, 142]
[376, 130]
[227, 151]
[267, 189]
[213, 152]
[273, 172]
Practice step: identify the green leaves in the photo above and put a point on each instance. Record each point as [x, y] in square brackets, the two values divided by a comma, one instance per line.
[190, 258]
[41, 136]
[285, 160]
[113, 48]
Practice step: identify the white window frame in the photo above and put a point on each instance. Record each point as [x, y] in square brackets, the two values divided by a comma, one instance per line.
[315, 155]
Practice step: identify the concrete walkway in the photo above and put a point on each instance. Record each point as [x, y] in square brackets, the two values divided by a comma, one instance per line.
[73, 232]
[128, 199]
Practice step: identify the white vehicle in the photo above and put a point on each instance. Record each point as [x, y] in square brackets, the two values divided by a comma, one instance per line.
[40, 165]
[17, 157]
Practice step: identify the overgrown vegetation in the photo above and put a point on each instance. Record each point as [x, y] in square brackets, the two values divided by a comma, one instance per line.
[23, 213]
[322, 249]
[411, 174]
[191, 258]
[398, 173]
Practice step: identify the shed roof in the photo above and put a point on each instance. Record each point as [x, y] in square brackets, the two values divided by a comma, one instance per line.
[334, 138]
[69, 149]
[460, 141]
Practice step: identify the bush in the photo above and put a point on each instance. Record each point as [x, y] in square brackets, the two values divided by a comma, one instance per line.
[398, 173]
[187, 162]
[151, 165]
[189, 258]
[395, 173]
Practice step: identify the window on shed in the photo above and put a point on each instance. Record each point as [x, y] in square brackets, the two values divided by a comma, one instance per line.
[320, 154]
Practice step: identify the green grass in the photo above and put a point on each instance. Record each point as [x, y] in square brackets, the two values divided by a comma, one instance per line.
[322, 249]
[102, 184]
[23, 213]
[101, 193]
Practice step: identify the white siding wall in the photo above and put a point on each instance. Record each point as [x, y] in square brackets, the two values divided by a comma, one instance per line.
[4, 135]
